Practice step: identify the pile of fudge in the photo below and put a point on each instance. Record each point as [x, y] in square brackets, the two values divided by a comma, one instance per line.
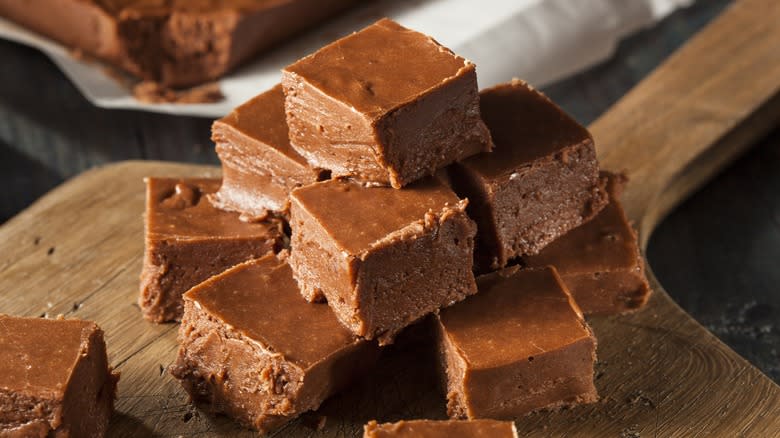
[374, 188]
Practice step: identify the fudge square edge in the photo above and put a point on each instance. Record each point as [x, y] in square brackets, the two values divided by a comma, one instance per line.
[55, 379]
[259, 167]
[386, 105]
[383, 258]
[187, 240]
[519, 345]
[252, 348]
[441, 429]
[541, 180]
[600, 261]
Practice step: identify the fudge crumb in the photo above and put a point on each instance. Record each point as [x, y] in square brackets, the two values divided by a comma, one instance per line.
[153, 92]
[638, 397]
[630, 432]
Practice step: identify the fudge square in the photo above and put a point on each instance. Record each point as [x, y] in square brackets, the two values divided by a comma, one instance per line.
[540, 181]
[54, 378]
[599, 261]
[441, 429]
[252, 348]
[519, 345]
[259, 168]
[386, 105]
[382, 257]
[188, 241]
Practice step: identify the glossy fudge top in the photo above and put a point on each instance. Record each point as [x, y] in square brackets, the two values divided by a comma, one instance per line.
[262, 118]
[442, 429]
[604, 244]
[178, 208]
[380, 67]
[261, 300]
[525, 126]
[516, 314]
[356, 217]
[37, 355]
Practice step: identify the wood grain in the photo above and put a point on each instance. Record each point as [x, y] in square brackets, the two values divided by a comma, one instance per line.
[77, 252]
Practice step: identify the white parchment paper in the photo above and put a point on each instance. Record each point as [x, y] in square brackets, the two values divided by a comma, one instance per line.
[538, 40]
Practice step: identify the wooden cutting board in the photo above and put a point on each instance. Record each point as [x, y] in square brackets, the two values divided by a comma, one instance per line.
[77, 252]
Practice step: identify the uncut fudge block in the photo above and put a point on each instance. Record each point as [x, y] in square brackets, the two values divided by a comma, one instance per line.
[382, 257]
[252, 348]
[177, 43]
[259, 168]
[188, 241]
[441, 429]
[54, 378]
[540, 181]
[519, 345]
[385, 105]
[599, 261]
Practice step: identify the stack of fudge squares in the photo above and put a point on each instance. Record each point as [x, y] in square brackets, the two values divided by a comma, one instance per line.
[407, 194]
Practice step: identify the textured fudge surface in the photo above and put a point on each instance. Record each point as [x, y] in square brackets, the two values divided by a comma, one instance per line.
[382, 257]
[175, 42]
[252, 348]
[600, 260]
[441, 429]
[540, 181]
[386, 105]
[188, 241]
[54, 378]
[519, 345]
[259, 168]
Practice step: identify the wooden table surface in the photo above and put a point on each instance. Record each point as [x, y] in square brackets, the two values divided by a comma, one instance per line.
[720, 250]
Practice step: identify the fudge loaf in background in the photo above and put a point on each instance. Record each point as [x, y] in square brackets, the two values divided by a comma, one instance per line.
[177, 43]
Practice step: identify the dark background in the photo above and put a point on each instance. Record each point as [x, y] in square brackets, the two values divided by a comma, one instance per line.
[718, 254]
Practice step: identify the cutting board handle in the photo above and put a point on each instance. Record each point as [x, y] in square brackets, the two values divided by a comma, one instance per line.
[696, 112]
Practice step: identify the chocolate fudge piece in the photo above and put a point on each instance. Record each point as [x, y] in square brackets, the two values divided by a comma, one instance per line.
[252, 348]
[259, 168]
[385, 105]
[519, 345]
[54, 378]
[177, 43]
[540, 181]
[441, 429]
[382, 257]
[599, 261]
[188, 241]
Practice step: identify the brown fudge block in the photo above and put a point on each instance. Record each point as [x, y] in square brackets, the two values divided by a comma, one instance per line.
[382, 257]
[519, 345]
[540, 181]
[188, 241]
[599, 261]
[177, 43]
[54, 378]
[259, 168]
[252, 348]
[385, 105]
[441, 429]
